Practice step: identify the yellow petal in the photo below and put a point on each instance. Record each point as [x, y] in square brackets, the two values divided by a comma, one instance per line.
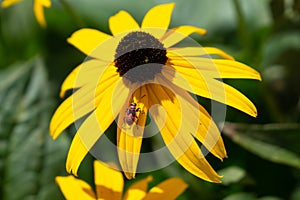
[121, 22]
[87, 39]
[7, 3]
[129, 137]
[86, 73]
[45, 3]
[69, 82]
[216, 68]
[219, 52]
[179, 33]
[74, 189]
[83, 101]
[77, 152]
[96, 123]
[204, 129]
[196, 51]
[109, 182]
[38, 8]
[159, 18]
[234, 69]
[64, 116]
[138, 190]
[209, 88]
[180, 142]
[167, 190]
[210, 136]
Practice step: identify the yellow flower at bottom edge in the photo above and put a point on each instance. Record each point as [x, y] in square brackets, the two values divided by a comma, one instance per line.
[106, 90]
[109, 184]
[38, 7]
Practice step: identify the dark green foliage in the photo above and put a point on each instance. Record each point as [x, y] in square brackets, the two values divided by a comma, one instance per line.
[29, 158]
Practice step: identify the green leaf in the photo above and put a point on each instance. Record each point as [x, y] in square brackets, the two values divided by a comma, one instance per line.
[261, 148]
[232, 174]
[296, 194]
[270, 198]
[241, 195]
[29, 158]
[249, 196]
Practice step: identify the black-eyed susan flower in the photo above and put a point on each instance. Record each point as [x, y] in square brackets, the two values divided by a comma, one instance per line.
[109, 184]
[38, 7]
[142, 70]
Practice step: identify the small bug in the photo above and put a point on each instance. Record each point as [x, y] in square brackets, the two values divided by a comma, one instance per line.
[131, 117]
[131, 114]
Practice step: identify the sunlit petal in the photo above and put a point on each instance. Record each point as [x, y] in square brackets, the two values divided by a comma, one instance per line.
[74, 189]
[209, 88]
[179, 33]
[196, 51]
[121, 22]
[95, 124]
[167, 190]
[87, 39]
[138, 190]
[159, 18]
[83, 74]
[129, 137]
[215, 68]
[109, 182]
[83, 101]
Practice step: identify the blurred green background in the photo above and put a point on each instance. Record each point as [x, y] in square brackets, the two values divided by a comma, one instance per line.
[264, 152]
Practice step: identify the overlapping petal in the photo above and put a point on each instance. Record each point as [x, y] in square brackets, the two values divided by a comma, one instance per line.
[109, 182]
[157, 19]
[215, 68]
[177, 34]
[94, 126]
[83, 75]
[74, 189]
[122, 22]
[65, 115]
[209, 88]
[138, 190]
[167, 190]
[180, 143]
[84, 100]
[129, 137]
[109, 185]
[177, 53]
[87, 39]
[199, 122]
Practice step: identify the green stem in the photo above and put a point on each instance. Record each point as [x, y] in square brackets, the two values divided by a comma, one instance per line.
[72, 12]
[3, 45]
[242, 28]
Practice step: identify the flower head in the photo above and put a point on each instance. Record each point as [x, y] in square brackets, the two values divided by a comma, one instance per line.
[142, 70]
[38, 7]
[109, 184]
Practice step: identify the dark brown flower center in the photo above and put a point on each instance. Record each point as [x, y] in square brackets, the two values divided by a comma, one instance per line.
[140, 56]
